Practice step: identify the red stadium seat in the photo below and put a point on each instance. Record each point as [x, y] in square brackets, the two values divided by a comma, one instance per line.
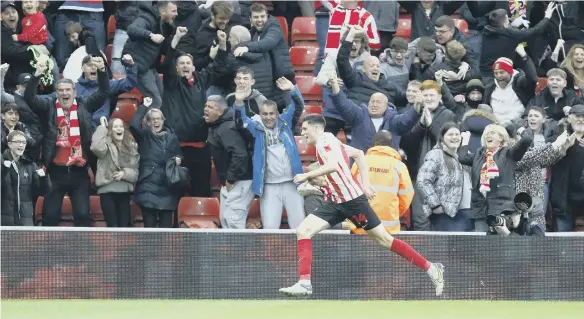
[303, 29]
[111, 29]
[462, 25]
[254, 219]
[303, 58]
[404, 27]
[307, 151]
[284, 25]
[198, 212]
[125, 110]
[134, 94]
[313, 109]
[108, 53]
[310, 91]
[541, 84]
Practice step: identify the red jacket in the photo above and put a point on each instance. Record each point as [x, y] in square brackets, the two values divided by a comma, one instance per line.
[34, 29]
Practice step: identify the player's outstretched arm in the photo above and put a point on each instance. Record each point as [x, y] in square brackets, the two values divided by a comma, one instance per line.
[359, 157]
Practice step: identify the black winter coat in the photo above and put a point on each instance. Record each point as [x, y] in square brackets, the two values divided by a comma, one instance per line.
[15, 54]
[152, 188]
[475, 121]
[500, 198]
[191, 17]
[19, 189]
[229, 150]
[261, 65]
[46, 110]
[145, 52]
[421, 24]
[553, 108]
[359, 86]
[32, 123]
[126, 13]
[271, 40]
[182, 103]
[524, 83]
[456, 87]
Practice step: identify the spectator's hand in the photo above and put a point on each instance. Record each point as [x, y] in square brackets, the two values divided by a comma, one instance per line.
[4, 67]
[566, 110]
[438, 210]
[157, 38]
[228, 186]
[147, 101]
[99, 63]
[103, 121]
[15, 37]
[369, 191]
[358, 30]
[520, 130]
[520, 22]
[419, 99]
[300, 178]
[527, 132]
[213, 51]
[222, 37]
[462, 71]
[382, 56]
[465, 138]
[181, 31]
[438, 75]
[239, 51]
[284, 84]
[503, 230]
[561, 141]
[40, 172]
[520, 49]
[460, 98]
[7, 164]
[549, 11]
[40, 69]
[177, 160]
[118, 175]
[128, 59]
[44, 50]
[239, 97]
[334, 83]
[426, 119]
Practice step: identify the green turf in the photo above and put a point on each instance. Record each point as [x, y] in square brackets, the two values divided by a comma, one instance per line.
[286, 309]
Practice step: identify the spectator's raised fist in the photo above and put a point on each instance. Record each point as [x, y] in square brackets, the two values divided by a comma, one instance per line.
[222, 36]
[157, 38]
[40, 172]
[181, 31]
[520, 49]
[98, 62]
[103, 121]
[460, 98]
[358, 29]
[284, 84]
[239, 51]
[4, 67]
[128, 59]
[239, 96]
[465, 137]
[40, 69]
[147, 101]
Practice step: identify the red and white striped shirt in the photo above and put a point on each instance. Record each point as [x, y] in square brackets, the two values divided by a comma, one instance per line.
[341, 185]
[341, 18]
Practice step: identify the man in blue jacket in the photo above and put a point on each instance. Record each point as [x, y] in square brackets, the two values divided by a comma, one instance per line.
[87, 84]
[368, 119]
[276, 159]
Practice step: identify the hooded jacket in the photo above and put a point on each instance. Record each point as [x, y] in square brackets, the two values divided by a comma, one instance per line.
[392, 183]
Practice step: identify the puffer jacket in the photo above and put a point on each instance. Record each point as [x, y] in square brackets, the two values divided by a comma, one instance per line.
[145, 52]
[126, 13]
[260, 64]
[111, 160]
[19, 188]
[500, 198]
[475, 121]
[440, 185]
[359, 86]
[271, 40]
[458, 86]
[152, 188]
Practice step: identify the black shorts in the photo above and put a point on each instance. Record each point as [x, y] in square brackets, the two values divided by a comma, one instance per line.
[357, 211]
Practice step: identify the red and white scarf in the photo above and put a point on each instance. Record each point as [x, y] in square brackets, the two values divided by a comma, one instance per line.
[69, 135]
[341, 18]
[488, 171]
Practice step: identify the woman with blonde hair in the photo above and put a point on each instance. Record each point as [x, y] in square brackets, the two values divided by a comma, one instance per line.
[493, 172]
[574, 66]
[117, 170]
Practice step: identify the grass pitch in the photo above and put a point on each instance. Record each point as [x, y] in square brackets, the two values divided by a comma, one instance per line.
[287, 309]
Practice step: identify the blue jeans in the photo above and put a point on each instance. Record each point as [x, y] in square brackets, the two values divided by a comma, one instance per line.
[322, 24]
[93, 21]
[117, 47]
[460, 222]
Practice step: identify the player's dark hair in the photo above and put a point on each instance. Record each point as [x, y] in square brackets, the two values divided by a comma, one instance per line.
[315, 119]
[448, 160]
[383, 138]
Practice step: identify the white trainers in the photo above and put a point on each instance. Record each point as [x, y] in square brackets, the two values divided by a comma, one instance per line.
[298, 290]
[437, 276]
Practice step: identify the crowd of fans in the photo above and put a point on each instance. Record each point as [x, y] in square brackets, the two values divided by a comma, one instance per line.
[449, 119]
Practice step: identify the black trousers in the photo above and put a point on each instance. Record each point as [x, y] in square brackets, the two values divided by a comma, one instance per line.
[198, 161]
[116, 209]
[73, 181]
[157, 218]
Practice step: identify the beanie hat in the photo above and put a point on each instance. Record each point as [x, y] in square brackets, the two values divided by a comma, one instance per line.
[475, 85]
[504, 64]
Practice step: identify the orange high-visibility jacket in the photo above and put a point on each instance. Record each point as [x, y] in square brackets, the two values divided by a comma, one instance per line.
[390, 178]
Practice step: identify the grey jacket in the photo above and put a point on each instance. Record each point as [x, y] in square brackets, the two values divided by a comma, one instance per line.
[440, 186]
[385, 13]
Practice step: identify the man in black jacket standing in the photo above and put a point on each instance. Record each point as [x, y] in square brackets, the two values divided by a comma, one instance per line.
[146, 43]
[232, 161]
[183, 104]
[67, 138]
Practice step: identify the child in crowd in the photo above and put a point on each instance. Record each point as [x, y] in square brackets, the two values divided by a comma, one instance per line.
[34, 24]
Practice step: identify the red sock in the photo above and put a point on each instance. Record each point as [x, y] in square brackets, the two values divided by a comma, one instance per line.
[406, 251]
[305, 258]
